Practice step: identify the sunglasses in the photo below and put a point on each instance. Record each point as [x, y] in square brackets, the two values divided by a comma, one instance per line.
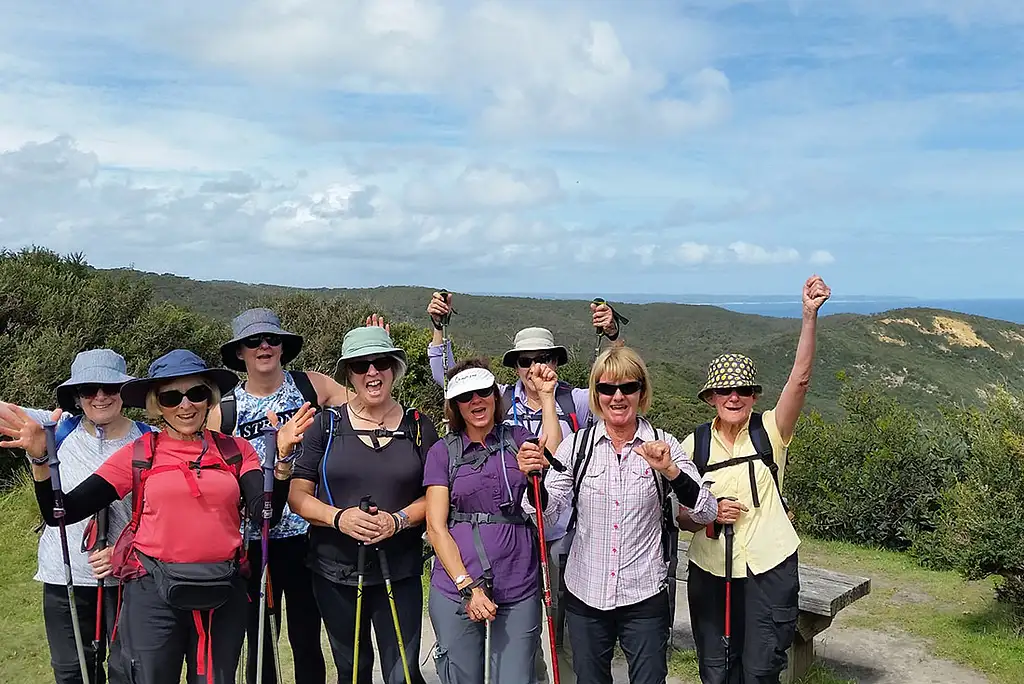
[467, 397]
[171, 398]
[362, 366]
[726, 391]
[91, 390]
[527, 361]
[254, 341]
[608, 389]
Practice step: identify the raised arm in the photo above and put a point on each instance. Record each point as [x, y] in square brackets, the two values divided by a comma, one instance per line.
[438, 308]
[791, 401]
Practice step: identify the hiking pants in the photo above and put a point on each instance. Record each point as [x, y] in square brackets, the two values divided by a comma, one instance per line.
[459, 654]
[764, 612]
[61, 637]
[290, 576]
[337, 604]
[641, 629]
[156, 638]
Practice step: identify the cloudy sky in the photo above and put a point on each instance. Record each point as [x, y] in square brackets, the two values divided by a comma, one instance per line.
[648, 146]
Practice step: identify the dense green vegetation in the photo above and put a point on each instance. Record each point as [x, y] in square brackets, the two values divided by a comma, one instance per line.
[913, 439]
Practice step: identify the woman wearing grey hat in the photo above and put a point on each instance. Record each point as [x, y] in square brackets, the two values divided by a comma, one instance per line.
[90, 428]
[183, 595]
[359, 483]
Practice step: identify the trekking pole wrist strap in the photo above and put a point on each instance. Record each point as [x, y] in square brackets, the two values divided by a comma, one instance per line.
[337, 519]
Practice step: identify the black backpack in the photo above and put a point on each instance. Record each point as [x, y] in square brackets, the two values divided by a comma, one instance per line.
[563, 398]
[229, 407]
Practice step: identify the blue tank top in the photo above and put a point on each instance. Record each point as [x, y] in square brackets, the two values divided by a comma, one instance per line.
[252, 415]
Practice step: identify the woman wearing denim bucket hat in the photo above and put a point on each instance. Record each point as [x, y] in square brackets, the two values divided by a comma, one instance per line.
[90, 427]
[183, 595]
[744, 453]
[359, 483]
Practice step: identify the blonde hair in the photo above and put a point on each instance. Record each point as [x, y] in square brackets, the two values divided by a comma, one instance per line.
[621, 363]
[153, 406]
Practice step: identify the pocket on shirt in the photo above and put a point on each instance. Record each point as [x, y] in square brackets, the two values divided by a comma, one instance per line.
[641, 468]
[593, 479]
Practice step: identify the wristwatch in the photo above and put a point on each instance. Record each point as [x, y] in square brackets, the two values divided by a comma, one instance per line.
[403, 520]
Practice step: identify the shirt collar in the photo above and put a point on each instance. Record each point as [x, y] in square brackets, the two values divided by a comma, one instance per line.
[644, 431]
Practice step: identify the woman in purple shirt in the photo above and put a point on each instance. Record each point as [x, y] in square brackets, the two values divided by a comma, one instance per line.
[489, 564]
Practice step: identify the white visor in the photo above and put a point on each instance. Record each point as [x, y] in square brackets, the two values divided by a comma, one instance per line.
[469, 380]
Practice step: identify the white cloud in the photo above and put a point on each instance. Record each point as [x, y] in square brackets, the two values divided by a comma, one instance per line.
[821, 258]
[485, 187]
[746, 253]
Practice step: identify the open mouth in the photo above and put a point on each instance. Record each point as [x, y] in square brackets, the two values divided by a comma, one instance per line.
[619, 406]
[264, 357]
[478, 412]
[374, 384]
[185, 417]
[102, 407]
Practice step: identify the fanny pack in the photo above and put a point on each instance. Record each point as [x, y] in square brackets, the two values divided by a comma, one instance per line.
[193, 586]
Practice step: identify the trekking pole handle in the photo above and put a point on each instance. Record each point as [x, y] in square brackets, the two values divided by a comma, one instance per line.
[51, 452]
[269, 461]
[555, 463]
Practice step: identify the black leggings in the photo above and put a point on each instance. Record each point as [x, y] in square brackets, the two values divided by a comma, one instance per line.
[290, 576]
[61, 637]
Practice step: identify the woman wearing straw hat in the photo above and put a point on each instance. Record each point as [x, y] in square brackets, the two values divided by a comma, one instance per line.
[744, 453]
[183, 593]
[372, 446]
[90, 428]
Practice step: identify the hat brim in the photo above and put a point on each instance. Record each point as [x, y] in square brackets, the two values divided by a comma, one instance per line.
[397, 352]
[509, 359]
[704, 393]
[291, 345]
[66, 391]
[477, 383]
[133, 394]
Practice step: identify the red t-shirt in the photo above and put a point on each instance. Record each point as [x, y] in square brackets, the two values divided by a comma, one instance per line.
[176, 526]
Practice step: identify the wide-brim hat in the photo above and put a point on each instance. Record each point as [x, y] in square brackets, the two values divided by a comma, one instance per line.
[469, 380]
[729, 371]
[369, 340]
[92, 367]
[175, 364]
[534, 339]
[255, 322]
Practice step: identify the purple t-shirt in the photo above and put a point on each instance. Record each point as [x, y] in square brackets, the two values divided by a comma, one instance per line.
[510, 548]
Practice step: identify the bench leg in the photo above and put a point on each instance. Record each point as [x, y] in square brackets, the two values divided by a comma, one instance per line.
[801, 657]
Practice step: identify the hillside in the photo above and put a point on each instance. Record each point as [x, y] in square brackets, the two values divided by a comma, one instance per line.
[925, 356]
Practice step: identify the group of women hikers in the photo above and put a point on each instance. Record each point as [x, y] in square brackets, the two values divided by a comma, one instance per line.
[537, 498]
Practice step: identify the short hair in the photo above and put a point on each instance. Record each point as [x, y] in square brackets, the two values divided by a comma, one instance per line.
[153, 406]
[622, 363]
[456, 423]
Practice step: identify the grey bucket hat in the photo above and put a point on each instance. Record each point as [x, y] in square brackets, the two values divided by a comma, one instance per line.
[255, 322]
[93, 367]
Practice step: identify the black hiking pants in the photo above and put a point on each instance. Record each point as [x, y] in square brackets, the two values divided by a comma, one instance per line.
[338, 606]
[61, 637]
[156, 637]
[764, 612]
[290, 576]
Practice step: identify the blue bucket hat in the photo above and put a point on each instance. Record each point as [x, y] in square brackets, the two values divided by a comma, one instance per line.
[256, 322]
[92, 367]
[175, 364]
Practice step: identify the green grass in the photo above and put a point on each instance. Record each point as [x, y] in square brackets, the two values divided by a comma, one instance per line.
[683, 664]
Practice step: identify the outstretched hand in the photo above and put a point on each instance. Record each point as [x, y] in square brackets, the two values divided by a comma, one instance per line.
[290, 435]
[24, 432]
[377, 321]
[816, 293]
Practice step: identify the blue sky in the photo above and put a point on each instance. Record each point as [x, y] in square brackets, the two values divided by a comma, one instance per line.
[699, 146]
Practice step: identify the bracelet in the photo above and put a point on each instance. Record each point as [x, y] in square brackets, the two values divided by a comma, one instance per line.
[337, 519]
[398, 523]
[41, 461]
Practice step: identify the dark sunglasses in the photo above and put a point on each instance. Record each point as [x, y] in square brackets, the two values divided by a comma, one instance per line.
[527, 361]
[91, 390]
[742, 391]
[467, 397]
[362, 366]
[254, 341]
[608, 389]
[171, 398]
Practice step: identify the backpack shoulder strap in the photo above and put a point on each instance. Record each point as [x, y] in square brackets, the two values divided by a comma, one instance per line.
[508, 397]
[763, 445]
[229, 451]
[563, 397]
[413, 430]
[228, 413]
[144, 428]
[702, 447]
[65, 428]
[143, 453]
[453, 441]
[584, 450]
[305, 387]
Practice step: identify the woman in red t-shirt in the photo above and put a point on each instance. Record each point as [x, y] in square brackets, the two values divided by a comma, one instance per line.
[185, 526]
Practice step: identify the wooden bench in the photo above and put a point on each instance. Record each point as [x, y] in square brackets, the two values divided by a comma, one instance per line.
[823, 593]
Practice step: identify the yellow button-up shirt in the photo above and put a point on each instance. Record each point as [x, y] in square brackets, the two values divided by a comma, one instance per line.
[763, 537]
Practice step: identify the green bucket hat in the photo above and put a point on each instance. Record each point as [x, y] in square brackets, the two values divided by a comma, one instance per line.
[728, 371]
[370, 340]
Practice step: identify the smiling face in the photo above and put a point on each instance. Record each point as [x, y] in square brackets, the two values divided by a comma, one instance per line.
[733, 405]
[477, 408]
[619, 398]
[184, 402]
[101, 404]
[372, 377]
[261, 353]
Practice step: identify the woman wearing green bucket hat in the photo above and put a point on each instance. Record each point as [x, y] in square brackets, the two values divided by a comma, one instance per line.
[359, 482]
[746, 563]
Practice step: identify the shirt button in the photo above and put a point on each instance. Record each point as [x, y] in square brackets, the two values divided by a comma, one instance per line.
[616, 503]
[613, 550]
[615, 527]
[613, 574]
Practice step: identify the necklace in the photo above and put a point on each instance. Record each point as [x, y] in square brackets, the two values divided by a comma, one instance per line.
[380, 423]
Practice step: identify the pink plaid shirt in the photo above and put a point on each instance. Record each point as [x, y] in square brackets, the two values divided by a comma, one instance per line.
[616, 555]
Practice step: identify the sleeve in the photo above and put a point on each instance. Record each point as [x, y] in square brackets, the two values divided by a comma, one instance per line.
[436, 364]
[429, 435]
[581, 397]
[307, 465]
[688, 486]
[435, 472]
[250, 459]
[780, 446]
[42, 415]
[93, 494]
[117, 469]
[557, 494]
[251, 484]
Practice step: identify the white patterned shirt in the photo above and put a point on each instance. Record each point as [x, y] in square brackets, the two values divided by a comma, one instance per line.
[616, 555]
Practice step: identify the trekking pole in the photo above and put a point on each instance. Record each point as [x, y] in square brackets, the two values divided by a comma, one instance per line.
[545, 574]
[726, 638]
[364, 505]
[445, 346]
[95, 539]
[488, 586]
[394, 609]
[58, 513]
[266, 593]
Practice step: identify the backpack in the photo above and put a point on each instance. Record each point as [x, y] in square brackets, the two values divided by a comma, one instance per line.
[762, 448]
[229, 404]
[410, 428]
[563, 398]
[67, 426]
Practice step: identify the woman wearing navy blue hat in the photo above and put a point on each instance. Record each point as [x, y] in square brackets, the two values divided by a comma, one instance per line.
[180, 559]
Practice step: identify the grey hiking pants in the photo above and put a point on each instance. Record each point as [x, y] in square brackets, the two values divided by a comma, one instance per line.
[459, 653]
[61, 637]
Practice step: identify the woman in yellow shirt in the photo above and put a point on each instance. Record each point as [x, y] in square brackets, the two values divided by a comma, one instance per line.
[744, 454]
